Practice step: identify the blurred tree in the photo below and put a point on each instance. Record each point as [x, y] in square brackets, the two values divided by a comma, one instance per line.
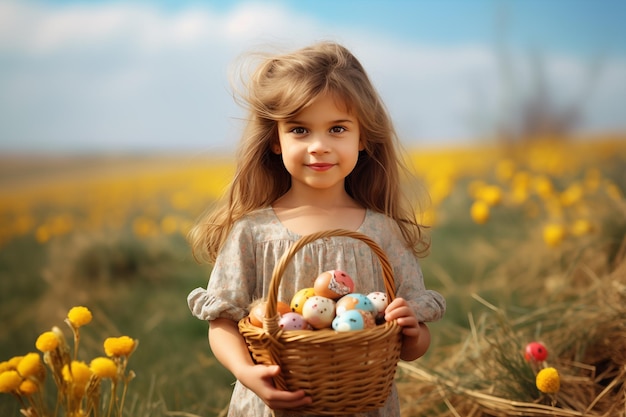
[533, 112]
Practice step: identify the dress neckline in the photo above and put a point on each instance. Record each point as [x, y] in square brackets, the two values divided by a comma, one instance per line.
[297, 236]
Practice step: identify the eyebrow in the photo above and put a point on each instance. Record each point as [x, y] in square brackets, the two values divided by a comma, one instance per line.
[298, 122]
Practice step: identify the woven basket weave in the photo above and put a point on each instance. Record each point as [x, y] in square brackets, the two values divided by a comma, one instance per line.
[343, 372]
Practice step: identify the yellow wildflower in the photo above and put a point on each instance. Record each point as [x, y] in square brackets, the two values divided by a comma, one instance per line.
[491, 194]
[28, 387]
[10, 381]
[14, 361]
[47, 342]
[572, 195]
[119, 346]
[144, 227]
[553, 234]
[79, 316]
[480, 212]
[543, 186]
[519, 194]
[169, 225]
[80, 373]
[548, 381]
[5, 366]
[103, 367]
[30, 365]
[581, 227]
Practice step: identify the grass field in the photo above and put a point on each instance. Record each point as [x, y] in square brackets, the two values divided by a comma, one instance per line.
[513, 229]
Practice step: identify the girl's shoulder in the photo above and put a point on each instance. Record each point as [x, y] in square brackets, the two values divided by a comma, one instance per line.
[379, 224]
[258, 216]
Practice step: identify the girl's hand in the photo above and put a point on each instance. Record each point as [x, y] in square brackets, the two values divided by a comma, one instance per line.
[258, 378]
[231, 350]
[400, 311]
[416, 336]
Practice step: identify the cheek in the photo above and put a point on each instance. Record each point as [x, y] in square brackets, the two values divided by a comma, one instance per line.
[350, 154]
[291, 159]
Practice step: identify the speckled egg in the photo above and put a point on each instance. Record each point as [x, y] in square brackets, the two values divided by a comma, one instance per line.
[297, 302]
[293, 321]
[353, 320]
[333, 284]
[354, 301]
[319, 312]
[380, 301]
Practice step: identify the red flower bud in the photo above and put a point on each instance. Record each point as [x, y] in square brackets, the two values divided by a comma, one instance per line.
[536, 352]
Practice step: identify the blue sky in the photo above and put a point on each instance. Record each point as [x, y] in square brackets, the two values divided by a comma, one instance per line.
[83, 76]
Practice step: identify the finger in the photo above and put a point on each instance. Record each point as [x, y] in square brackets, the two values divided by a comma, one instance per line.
[272, 370]
[395, 304]
[397, 313]
[287, 399]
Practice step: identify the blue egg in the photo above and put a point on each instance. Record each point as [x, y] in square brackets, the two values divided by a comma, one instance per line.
[348, 321]
[354, 301]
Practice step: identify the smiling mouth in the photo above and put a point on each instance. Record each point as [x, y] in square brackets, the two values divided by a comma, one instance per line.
[321, 166]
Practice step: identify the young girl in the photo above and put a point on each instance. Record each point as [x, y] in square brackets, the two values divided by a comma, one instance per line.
[319, 152]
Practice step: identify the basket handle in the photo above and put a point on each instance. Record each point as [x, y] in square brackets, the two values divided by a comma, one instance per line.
[271, 313]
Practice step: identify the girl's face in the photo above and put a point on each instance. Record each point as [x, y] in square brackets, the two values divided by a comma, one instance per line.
[320, 145]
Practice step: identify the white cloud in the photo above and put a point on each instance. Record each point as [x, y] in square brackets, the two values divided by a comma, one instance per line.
[127, 75]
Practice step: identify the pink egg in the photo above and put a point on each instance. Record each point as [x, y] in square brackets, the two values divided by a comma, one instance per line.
[319, 312]
[293, 321]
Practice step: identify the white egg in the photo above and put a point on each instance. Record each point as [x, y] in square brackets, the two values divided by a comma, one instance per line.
[319, 312]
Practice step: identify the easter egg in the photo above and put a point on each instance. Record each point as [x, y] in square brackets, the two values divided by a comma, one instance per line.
[333, 284]
[319, 312]
[297, 302]
[536, 352]
[257, 311]
[380, 301]
[353, 320]
[293, 321]
[282, 308]
[354, 301]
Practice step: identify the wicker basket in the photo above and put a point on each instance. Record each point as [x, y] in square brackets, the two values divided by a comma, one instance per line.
[343, 372]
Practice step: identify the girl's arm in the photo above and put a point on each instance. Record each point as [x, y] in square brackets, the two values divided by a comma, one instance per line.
[230, 349]
[415, 335]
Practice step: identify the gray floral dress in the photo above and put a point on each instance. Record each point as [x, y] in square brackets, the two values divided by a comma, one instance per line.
[243, 270]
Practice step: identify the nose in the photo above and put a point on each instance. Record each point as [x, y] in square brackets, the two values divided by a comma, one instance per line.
[319, 144]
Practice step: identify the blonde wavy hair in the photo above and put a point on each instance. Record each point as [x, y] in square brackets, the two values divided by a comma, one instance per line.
[278, 89]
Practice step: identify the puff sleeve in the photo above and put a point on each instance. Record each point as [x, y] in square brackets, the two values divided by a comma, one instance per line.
[429, 305]
[232, 279]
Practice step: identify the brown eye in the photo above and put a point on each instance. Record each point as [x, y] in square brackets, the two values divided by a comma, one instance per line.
[298, 130]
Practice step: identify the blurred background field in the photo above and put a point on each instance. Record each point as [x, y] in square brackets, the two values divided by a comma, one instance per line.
[117, 126]
[109, 233]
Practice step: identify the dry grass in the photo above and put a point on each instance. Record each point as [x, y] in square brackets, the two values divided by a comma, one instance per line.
[486, 374]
